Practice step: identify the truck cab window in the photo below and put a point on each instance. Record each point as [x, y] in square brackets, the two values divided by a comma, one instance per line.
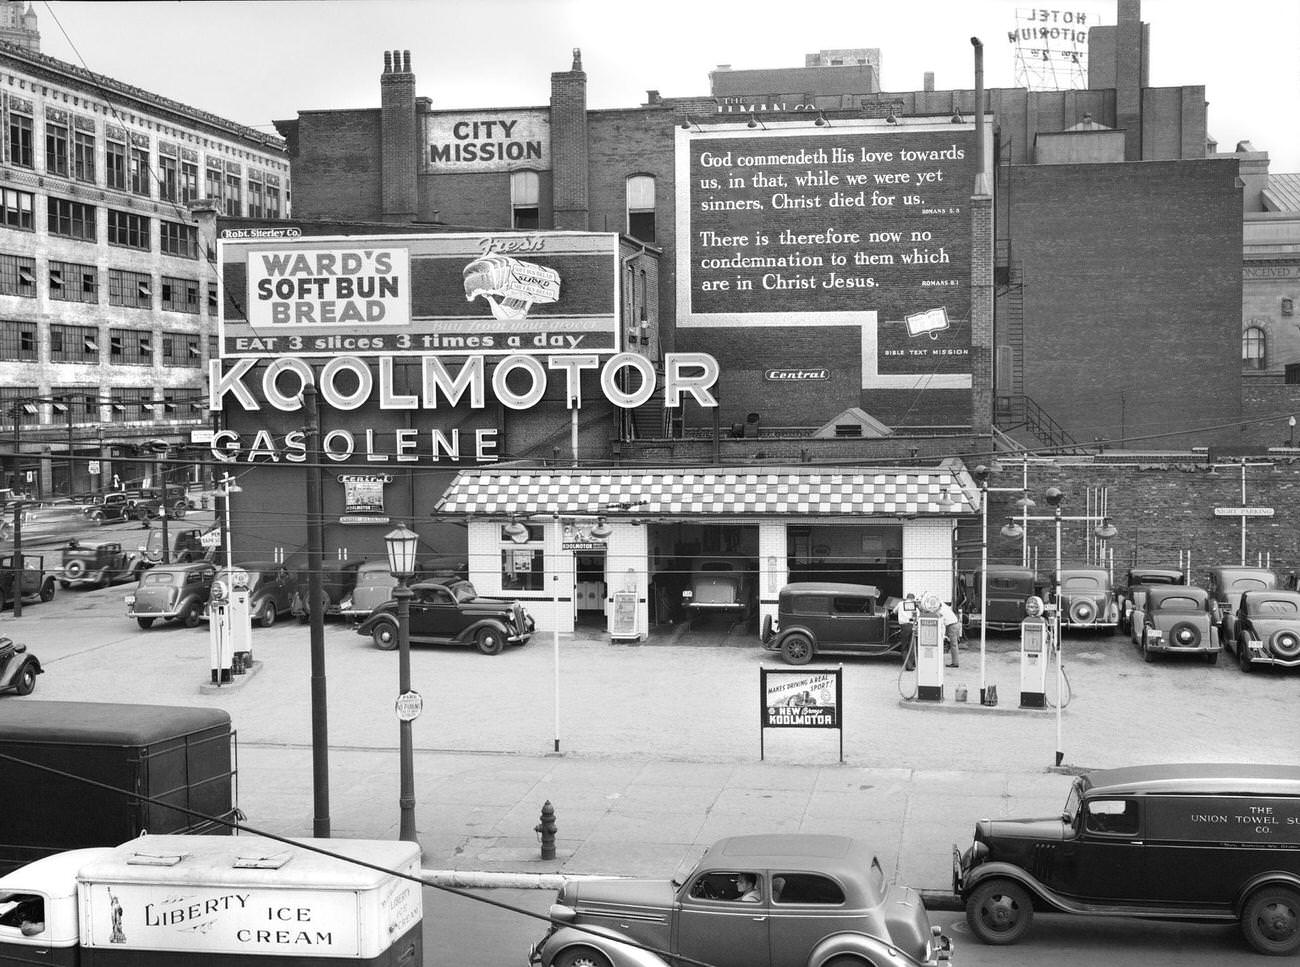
[1118, 817]
[23, 913]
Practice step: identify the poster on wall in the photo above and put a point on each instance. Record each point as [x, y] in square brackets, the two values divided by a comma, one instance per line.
[363, 497]
[863, 225]
[448, 293]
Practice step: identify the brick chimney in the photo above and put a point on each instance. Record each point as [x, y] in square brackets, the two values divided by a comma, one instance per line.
[399, 152]
[571, 203]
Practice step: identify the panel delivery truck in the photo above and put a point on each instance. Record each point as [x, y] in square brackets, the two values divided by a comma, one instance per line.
[211, 901]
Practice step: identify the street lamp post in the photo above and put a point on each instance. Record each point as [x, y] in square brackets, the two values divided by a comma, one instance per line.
[401, 544]
[1103, 529]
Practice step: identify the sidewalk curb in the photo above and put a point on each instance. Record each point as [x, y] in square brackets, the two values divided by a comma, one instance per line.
[483, 880]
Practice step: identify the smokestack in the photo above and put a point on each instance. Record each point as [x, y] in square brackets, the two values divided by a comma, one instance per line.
[982, 186]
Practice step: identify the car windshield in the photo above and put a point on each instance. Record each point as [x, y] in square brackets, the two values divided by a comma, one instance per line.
[1179, 603]
[157, 579]
[1274, 607]
[463, 591]
[376, 579]
[1084, 582]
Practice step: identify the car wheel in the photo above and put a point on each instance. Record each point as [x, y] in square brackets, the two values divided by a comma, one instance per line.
[999, 912]
[580, 957]
[797, 649]
[1148, 655]
[97, 517]
[1243, 656]
[75, 569]
[145, 623]
[1285, 644]
[1271, 921]
[266, 613]
[180, 509]
[1185, 635]
[489, 641]
[47, 590]
[25, 684]
[191, 616]
[766, 636]
[3, 602]
[384, 635]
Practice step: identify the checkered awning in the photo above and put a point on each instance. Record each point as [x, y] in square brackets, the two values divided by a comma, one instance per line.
[826, 492]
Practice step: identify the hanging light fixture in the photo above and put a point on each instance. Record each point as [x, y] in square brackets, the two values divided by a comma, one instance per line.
[516, 530]
[601, 531]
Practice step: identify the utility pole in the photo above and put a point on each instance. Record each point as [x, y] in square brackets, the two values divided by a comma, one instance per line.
[316, 611]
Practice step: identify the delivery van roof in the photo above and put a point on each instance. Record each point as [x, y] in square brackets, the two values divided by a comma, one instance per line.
[1193, 778]
[102, 723]
[253, 861]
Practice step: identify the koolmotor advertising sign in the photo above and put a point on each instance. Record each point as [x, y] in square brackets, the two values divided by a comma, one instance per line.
[864, 225]
[449, 293]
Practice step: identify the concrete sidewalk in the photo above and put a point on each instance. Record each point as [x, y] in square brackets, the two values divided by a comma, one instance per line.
[660, 744]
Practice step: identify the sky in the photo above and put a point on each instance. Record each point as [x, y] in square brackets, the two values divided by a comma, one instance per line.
[256, 61]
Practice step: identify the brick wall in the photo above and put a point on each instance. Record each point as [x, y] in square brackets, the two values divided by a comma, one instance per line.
[1132, 298]
[336, 172]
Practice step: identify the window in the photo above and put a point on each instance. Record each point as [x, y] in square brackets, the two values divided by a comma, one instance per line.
[16, 209]
[20, 140]
[641, 207]
[131, 289]
[56, 148]
[805, 888]
[523, 564]
[169, 178]
[525, 194]
[17, 340]
[234, 194]
[272, 201]
[130, 405]
[177, 239]
[212, 184]
[20, 402]
[115, 164]
[189, 180]
[18, 276]
[256, 198]
[180, 349]
[1292, 374]
[739, 885]
[130, 347]
[1118, 817]
[79, 404]
[73, 344]
[140, 171]
[180, 295]
[212, 298]
[128, 229]
[74, 282]
[83, 156]
[71, 219]
[1253, 348]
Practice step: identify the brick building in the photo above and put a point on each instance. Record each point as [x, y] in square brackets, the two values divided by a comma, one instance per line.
[107, 299]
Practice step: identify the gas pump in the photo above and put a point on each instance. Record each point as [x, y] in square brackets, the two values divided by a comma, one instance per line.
[1035, 637]
[927, 634]
[230, 628]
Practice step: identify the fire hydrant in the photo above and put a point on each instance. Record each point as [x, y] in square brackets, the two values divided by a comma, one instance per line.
[545, 831]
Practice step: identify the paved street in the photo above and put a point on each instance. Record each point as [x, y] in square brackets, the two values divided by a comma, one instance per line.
[659, 744]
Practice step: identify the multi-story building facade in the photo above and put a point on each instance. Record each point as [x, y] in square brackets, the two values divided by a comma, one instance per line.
[108, 298]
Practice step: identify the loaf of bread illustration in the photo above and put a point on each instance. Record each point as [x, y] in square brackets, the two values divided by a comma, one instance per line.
[509, 285]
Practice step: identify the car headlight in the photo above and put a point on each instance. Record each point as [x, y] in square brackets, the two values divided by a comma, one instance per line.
[130, 600]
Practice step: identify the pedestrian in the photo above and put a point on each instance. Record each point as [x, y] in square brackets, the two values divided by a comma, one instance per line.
[951, 633]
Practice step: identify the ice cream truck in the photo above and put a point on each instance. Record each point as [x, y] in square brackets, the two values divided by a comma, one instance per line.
[207, 901]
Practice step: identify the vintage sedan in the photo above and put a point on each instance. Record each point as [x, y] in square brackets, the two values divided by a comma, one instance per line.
[1179, 621]
[97, 564]
[171, 592]
[826, 618]
[806, 899]
[1008, 588]
[1226, 585]
[450, 612]
[1131, 595]
[271, 587]
[1086, 598]
[718, 585]
[338, 577]
[1267, 629]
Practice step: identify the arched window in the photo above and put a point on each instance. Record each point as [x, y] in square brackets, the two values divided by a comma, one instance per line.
[641, 207]
[525, 194]
[1253, 348]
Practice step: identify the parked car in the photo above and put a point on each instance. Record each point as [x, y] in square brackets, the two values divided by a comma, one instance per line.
[1214, 843]
[1227, 583]
[150, 504]
[271, 587]
[18, 669]
[94, 565]
[1179, 620]
[116, 505]
[816, 899]
[1267, 629]
[450, 612]
[26, 576]
[819, 618]
[375, 583]
[171, 592]
[338, 578]
[718, 585]
[187, 546]
[1009, 587]
[1087, 600]
[1130, 595]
